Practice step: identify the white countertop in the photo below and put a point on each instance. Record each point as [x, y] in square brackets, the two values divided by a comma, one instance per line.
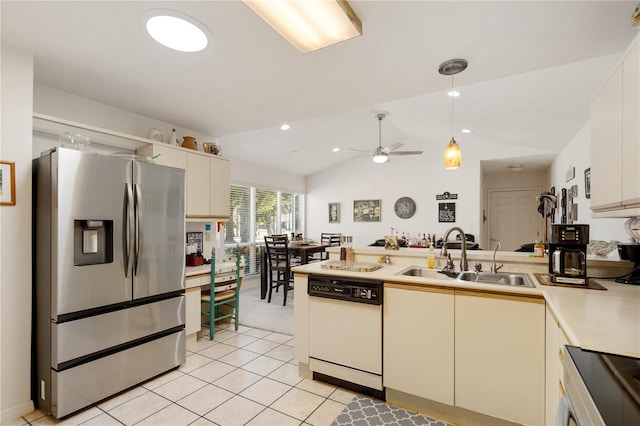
[605, 321]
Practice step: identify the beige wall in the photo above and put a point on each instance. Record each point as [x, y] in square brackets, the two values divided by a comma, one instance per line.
[15, 240]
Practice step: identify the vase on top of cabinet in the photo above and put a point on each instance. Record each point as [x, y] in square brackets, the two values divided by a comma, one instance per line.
[189, 142]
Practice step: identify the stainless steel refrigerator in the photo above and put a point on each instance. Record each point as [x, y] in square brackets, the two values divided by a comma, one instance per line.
[109, 304]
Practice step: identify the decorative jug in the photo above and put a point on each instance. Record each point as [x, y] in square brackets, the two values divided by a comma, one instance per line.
[189, 142]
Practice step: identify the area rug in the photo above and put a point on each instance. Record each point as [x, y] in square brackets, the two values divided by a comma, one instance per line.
[257, 313]
[363, 411]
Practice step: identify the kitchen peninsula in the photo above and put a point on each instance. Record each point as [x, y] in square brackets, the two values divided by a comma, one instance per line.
[471, 352]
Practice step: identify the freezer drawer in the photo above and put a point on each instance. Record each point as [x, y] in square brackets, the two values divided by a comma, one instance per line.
[74, 339]
[89, 383]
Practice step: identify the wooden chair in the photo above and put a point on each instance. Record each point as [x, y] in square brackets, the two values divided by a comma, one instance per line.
[331, 240]
[279, 265]
[223, 298]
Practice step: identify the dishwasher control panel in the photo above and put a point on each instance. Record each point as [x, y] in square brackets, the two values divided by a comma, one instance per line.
[351, 290]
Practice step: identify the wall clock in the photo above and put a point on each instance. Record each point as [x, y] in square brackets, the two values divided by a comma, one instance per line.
[405, 207]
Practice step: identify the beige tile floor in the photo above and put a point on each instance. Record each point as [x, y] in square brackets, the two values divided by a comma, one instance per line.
[248, 377]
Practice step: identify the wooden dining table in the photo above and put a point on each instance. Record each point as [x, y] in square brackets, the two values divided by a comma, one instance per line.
[302, 250]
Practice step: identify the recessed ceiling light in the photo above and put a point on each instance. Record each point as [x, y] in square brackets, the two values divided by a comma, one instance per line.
[515, 167]
[285, 127]
[465, 131]
[336, 149]
[176, 30]
[453, 93]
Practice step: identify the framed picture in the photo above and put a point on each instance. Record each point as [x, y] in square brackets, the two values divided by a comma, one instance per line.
[587, 182]
[7, 183]
[334, 212]
[366, 211]
[447, 212]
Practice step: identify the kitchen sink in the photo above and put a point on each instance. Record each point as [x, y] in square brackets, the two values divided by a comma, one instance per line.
[416, 271]
[505, 278]
[500, 278]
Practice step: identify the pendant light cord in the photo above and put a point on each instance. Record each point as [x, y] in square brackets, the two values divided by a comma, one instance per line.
[452, 96]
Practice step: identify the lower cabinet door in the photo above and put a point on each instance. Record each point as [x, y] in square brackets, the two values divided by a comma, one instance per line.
[500, 356]
[192, 320]
[418, 341]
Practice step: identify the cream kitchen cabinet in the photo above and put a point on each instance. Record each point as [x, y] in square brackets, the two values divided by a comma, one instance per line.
[418, 341]
[554, 387]
[206, 179]
[500, 355]
[615, 140]
[207, 186]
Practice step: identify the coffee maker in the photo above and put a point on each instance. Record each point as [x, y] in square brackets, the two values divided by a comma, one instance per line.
[630, 252]
[568, 254]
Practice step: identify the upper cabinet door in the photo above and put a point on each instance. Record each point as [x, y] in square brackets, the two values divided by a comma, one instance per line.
[631, 126]
[606, 144]
[198, 183]
[219, 188]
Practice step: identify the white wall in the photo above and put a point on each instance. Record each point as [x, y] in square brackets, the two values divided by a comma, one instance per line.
[578, 154]
[65, 105]
[15, 243]
[419, 177]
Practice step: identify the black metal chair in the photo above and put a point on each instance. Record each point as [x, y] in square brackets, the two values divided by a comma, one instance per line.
[279, 265]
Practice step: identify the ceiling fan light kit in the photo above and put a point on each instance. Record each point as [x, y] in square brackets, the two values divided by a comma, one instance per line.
[452, 153]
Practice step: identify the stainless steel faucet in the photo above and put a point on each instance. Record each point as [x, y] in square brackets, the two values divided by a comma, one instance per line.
[495, 268]
[464, 265]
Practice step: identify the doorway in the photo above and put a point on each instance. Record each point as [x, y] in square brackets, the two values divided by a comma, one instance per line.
[513, 218]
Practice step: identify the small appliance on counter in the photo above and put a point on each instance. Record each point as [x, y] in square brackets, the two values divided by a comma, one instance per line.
[194, 249]
[568, 254]
[630, 252]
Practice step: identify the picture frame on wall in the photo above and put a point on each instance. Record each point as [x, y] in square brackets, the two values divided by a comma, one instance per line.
[366, 210]
[587, 182]
[334, 212]
[7, 183]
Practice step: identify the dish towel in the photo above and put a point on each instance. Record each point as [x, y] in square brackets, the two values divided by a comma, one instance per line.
[363, 411]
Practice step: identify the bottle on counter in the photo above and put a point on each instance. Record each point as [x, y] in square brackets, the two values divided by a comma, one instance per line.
[423, 243]
[431, 258]
[429, 240]
[538, 249]
[349, 254]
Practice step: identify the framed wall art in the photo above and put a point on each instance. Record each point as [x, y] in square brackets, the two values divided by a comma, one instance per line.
[587, 182]
[334, 212]
[7, 183]
[366, 211]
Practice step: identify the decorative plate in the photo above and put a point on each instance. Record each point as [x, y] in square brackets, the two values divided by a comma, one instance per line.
[405, 207]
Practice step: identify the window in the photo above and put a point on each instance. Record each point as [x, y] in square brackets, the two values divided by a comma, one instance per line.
[258, 212]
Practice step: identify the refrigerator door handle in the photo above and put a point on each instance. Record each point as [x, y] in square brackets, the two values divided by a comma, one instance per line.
[126, 228]
[138, 232]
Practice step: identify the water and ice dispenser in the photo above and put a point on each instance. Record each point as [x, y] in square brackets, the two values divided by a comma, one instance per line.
[93, 242]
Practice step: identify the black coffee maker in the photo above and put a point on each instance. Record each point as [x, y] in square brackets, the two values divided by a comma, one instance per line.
[568, 254]
[630, 252]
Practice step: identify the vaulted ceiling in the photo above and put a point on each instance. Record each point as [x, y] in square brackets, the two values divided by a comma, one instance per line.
[533, 67]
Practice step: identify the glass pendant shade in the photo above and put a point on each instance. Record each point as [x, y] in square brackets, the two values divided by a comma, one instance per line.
[452, 155]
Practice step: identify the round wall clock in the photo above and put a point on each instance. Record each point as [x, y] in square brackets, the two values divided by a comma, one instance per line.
[405, 207]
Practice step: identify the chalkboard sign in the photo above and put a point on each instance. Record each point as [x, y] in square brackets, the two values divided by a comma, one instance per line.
[446, 212]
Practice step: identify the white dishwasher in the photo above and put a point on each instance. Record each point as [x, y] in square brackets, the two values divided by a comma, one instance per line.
[345, 332]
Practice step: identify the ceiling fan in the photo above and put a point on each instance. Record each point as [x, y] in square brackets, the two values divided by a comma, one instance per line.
[381, 155]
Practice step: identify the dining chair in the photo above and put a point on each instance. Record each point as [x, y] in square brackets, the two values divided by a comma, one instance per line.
[329, 239]
[222, 300]
[279, 265]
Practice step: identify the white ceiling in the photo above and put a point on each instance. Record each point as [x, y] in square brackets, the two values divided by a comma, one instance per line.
[533, 67]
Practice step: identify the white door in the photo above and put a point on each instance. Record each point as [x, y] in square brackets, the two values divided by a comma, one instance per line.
[513, 218]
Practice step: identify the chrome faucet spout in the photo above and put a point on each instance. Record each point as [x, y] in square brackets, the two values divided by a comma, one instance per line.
[495, 268]
[464, 265]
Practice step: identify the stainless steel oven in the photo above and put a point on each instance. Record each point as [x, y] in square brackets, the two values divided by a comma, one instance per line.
[601, 389]
[345, 332]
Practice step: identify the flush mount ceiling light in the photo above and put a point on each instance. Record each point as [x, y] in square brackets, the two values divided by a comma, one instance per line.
[452, 153]
[515, 167]
[176, 30]
[311, 24]
[285, 127]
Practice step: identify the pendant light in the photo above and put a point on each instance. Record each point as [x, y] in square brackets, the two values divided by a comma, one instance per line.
[452, 153]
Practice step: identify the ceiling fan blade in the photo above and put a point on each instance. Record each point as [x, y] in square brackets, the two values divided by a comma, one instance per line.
[405, 153]
[358, 150]
[392, 147]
